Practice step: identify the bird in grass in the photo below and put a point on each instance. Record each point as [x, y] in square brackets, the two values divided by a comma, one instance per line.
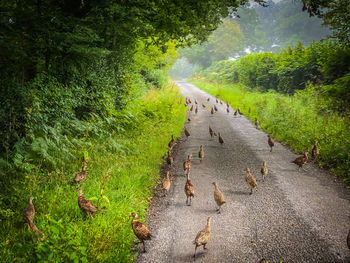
[169, 159]
[256, 123]
[271, 142]
[212, 132]
[189, 189]
[301, 160]
[203, 237]
[221, 140]
[315, 150]
[87, 206]
[187, 163]
[29, 212]
[251, 181]
[218, 197]
[34, 229]
[172, 142]
[201, 153]
[187, 133]
[166, 182]
[81, 176]
[264, 171]
[140, 230]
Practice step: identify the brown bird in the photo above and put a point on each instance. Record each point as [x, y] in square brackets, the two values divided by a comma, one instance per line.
[166, 181]
[201, 153]
[215, 108]
[218, 197]
[256, 123]
[235, 114]
[86, 205]
[217, 101]
[301, 160]
[264, 261]
[189, 189]
[172, 142]
[38, 233]
[191, 109]
[189, 100]
[221, 140]
[251, 182]
[195, 101]
[238, 110]
[188, 119]
[196, 110]
[211, 132]
[140, 230]
[29, 212]
[315, 150]
[208, 99]
[249, 110]
[187, 133]
[203, 105]
[228, 110]
[264, 171]
[221, 102]
[80, 177]
[212, 110]
[203, 237]
[170, 159]
[187, 163]
[271, 142]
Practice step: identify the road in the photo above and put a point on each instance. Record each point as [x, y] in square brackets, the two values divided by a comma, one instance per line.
[293, 217]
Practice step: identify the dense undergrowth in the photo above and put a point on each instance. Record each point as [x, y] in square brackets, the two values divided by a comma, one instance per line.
[128, 148]
[295, 120]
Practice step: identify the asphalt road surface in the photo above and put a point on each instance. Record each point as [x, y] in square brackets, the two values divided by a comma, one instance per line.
[293, 217]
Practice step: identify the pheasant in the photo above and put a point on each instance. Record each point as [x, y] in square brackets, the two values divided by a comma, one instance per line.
[218, 197]
[195, 101]
[29, 212]
[80, 177]
[251, 182]
[172, 142]
[203, 105]
[221, 140]
[228, 110]
[38, 233]
[140, 230]
[208, 99]
[187, 163]
[235, 114]
[187, 133]
[217, 101]
[191, 109]
[166, 181]
[211, 132]
[196, 110]
[315, 150]
[264, 171]
[169, 159]
[221, 102]
[201, 153]
[203, 237]
[256, 123]
[301, 160]
[86, 205]
[270, 142]
[212, 110]
[215, 108]
[189, 189]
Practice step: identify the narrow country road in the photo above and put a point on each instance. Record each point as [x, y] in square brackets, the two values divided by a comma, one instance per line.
[293, 217]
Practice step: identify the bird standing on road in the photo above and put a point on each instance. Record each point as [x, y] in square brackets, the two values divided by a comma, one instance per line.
[196, 110]
[187, 133]
[301, 160]
[201, 153]
[191, 109]
[221, 140]
[166, 182]
[172, 142]
[203, 105]
[228, 110]
[256, 123]
[169, 159]
[264, 171]
[251, 181]
[215, 108]
[187, 163]
[29, 212]
[271, 142]
[189, 189]
[211, 132]
[140, 230]
[218, 197]
[203, 237]
[212, 110]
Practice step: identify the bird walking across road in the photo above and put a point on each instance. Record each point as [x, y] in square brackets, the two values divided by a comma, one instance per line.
[166, 182]
[218, 197]
[264, 171]
[187, 133]
[140, 230]
[221, 140]
[212, 110]
[203, 237]
[196, 110]
[189, 189]
[301, 160]
[271, 142]
[201, 153]
[251, 181]
[187, 163]
[212, 132]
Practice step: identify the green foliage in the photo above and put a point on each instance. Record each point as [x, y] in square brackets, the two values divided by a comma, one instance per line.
[128, 146]
[294, 120]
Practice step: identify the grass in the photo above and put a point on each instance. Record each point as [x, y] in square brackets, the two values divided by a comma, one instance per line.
[131, 157]
[294, 120]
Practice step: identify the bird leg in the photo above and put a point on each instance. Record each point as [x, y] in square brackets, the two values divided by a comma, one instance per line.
[187, 200]
[251, 191]
[204, 246]
[190, 200]
[195, 249]
[271, 149]
[144, 247]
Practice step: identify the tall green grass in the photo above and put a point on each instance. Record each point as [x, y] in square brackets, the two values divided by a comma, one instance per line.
[294, 120]
[132, 157]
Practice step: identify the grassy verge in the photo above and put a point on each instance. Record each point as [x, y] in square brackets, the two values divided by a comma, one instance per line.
[131, 157]
[294, 120]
